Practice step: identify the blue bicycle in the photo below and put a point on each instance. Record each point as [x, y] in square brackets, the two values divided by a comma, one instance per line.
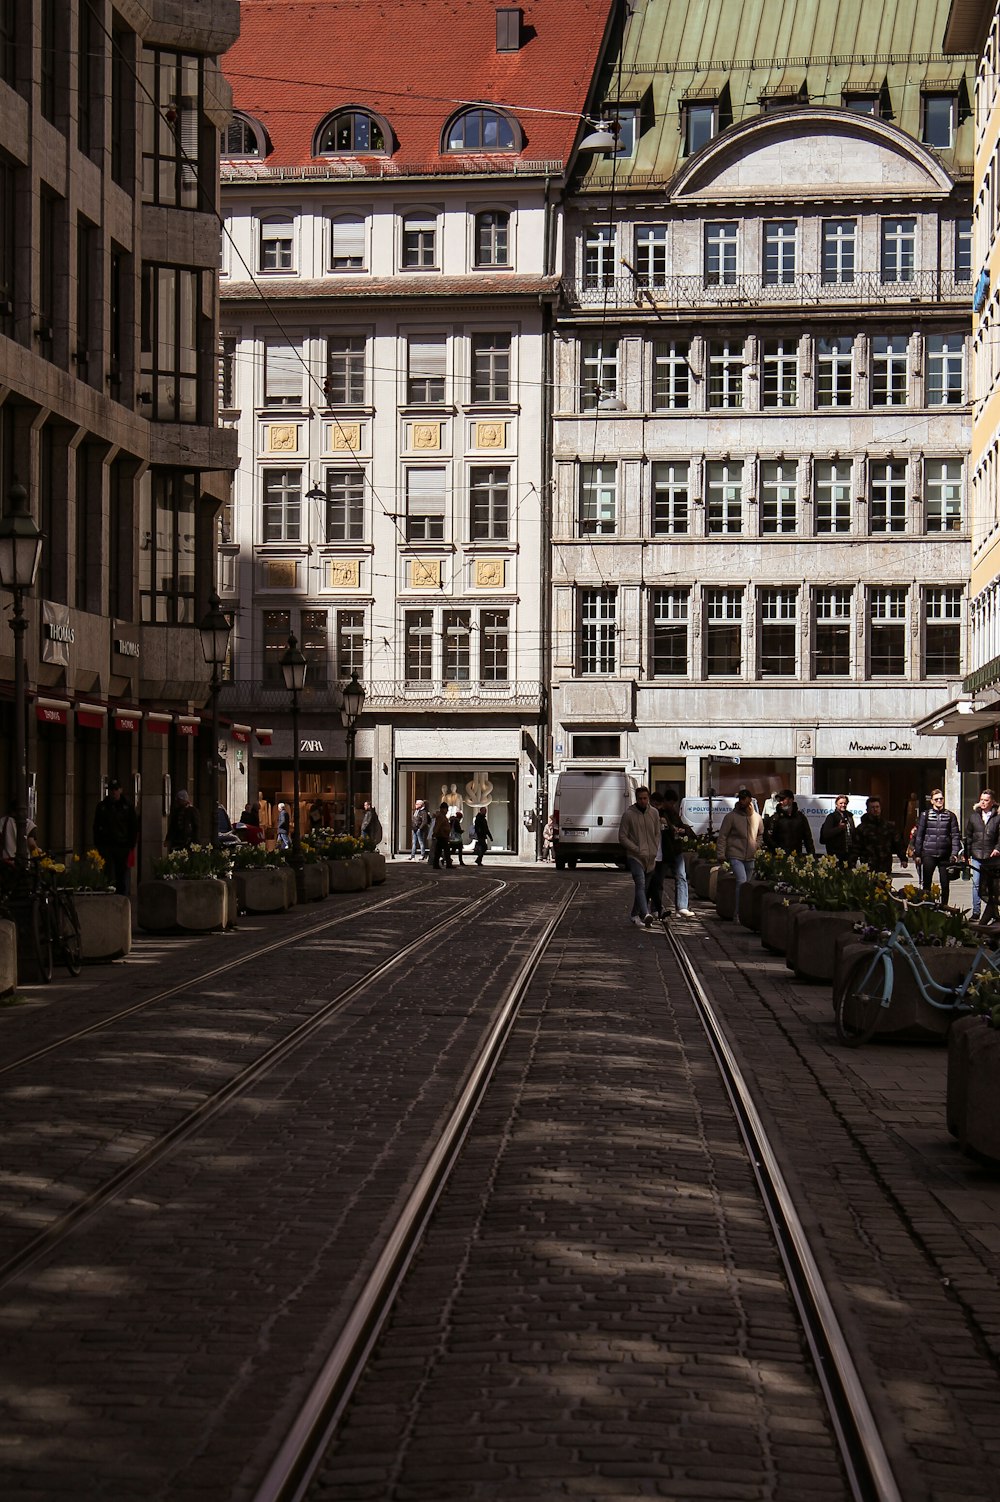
[867, 989]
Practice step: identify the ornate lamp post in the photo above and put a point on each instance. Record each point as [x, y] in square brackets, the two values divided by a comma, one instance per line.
[293, 670]
[354, 702]
[20, 551]
[214, 630]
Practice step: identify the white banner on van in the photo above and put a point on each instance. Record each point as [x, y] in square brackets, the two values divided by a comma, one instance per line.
[815, 806]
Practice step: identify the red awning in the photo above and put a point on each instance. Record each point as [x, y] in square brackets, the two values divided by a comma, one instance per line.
[91, 716]
[188, 724]
[264, 736]
[51, 711]
[128, 720]
[241, 733]
[159, 724]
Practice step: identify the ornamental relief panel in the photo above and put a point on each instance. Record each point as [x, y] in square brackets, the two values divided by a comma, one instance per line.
[281, 573]
[491, 435]
[425, 436]
[343, 437]
[343, 573]
[490, 573]
[425, 573]
[281, 437]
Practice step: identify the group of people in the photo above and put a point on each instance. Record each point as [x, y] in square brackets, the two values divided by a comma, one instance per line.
[654, 837]
[441, 836]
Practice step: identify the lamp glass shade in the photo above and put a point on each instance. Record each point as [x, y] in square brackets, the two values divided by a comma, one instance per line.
[20, 542]
[214, 631]
[600, 139]
[293, 667]
[354, 698]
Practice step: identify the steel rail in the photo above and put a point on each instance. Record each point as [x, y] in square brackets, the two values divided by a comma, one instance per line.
[155, 1152]
[293, 1468]
[862, 1451]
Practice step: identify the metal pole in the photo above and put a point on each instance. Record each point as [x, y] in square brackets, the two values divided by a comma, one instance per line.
[19, 625]
[711, 790]
[351, 732]
[213, 767]
[296, 846]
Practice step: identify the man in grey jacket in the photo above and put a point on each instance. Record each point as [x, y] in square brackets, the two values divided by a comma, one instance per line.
[639, 836]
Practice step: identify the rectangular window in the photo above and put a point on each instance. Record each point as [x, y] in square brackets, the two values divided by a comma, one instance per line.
[493, 238]
[598, 504]
[345, 505]
[651, 254]
[834, 372]
[50, 215]
[491, 367]
[598, 631]
[598, 372]
[345, 370]
[276, 627]
[887, 633]
[282, 490]
[940, 113]
[489, 497]
[457, 654]
[724, 487]
[780, 383]
[725, 373]
[88, 293]
[166, 540]
[670, 498]
[700, 124]
[890, 370]
[723, 633]
[228, 344]
[668, 617]
[123, 83]
[277, 242]
[419, 241]
[418, 627]
[720, 255]
[831, 655]
[778, 632]
[169, 342]
[943, 632]
[832, 481]
[779, 496]
[120, 310]
[494, 649]
[90, 80]
[8, 41]
[839, 250]
[671, 375]
[350, 644]
[943, 495]
[599, 256]
[945, 369]
[172, 108]
[7, 215]
[50, 55]
[898, 249]
[283, 371]
[963, 250]
[427, 369]
[347, 243]
[887, 497]
[779, 251]
[315, 646]
[425, 503]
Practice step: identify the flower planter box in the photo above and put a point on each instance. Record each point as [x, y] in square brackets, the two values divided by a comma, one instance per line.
[105, 925]
[312, 882]
[701, 879]
[726, 893]
[375, 864]
[8, 957]
[776, 914]
[348, 876]
[196, 904]
[812, 945]
[268, 889]
[751, 895]
[974, 1085]
[909, 1018]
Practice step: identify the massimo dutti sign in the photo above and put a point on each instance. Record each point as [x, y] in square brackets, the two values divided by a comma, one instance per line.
[58, 635]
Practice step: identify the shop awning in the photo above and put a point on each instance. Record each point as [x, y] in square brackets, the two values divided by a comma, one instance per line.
[158, 724]
[187, 724]
[91, 716]
[960, 717]
[264, 737]
[241, 733]
[52, 711]
[128, 720]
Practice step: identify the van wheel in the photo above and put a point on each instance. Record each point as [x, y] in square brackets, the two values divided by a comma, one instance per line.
[560, 863]
[572, 862]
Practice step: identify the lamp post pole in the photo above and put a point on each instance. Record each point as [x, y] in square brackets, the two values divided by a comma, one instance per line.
[293, 669]
[214, 630]
[20, 551]
[354, 702]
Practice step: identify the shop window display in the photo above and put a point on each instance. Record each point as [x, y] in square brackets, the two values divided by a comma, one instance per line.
[467, 790]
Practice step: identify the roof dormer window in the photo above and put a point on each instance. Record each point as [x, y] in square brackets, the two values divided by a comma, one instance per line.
[242, 137]
[483, 130]
[352, 133]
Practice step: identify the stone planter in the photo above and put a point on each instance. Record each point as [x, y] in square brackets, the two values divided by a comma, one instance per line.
[8, 957]
[375, 864]
[974, 1085]
[751, 896]
[726, 892]
[776, 920]
[910, 1019]
[348, 876]
[268, 889]
[812, 945]
[312, 882]
[105, 925]
[194, 904]
[701, 878]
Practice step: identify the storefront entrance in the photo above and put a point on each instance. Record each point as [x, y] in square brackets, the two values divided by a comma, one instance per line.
[322, 792]
[466, 789]
[764, 776]
[902, 785]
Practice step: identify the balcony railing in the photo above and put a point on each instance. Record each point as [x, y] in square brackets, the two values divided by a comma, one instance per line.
[676, 293]
[244, 695]
[253, 694]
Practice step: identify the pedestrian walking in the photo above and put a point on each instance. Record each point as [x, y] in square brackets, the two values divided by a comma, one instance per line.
[8, 834]
[183, 824]
[284, 827]
[315, 816]
[548, 839]
[481, 830]
[676, 839]
[420, 821]
[441, 837]
[740, 836]
[936, 844]
[787, 828]
[838, 833]
[639, 837]
[116, 829]
[982, 843]
[457, 834]
[371, 825]
[878, 840]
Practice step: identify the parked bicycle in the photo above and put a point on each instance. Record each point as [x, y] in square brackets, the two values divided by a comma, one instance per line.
[45, 916]
[867, 989]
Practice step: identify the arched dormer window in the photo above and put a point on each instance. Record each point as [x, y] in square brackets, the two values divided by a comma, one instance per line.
[242, 137]
[353, 133]
[481, 129]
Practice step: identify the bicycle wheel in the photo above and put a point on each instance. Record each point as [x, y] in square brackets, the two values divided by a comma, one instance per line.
[67, 935]
[859, 1005]
[41, 936]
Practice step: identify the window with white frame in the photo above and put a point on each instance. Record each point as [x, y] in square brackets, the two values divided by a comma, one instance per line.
[723, 632]
[345, 370]
[625, 129]
[963, 250]
[494, 646]
[282, 508]
[838, 259]
[489, 502]
[651, 254]
[832, 495]
[350, 643]
[887, 632]
[831, 634]
[598, 371]
[671, 375]
[426, 369]
[777, 632]
[940, 115]
[887, 496]
[277, 240]
[598, 500]
[701, 120]
[418, 635]
[943, 495]
[482, 129]
[491, 367]
[240, 138]
[724, 491]
[945, 369]
[834, 372]
[456, 654]
[425, 504]
[419, 244]
[492, 233]
[599, 255]
[669, 612]
[351, 133]
[670, 498]
[779, 503]
[725, 373]
[347, 243]
[890, 370]
[345, 505]
[943, 632]
[720, 254]
[779, 251]
[598, 631]
[779, 385]
[283, 372]
[899, 237]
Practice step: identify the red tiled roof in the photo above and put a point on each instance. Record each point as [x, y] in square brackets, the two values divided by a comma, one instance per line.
[279, 289]
[411, 62]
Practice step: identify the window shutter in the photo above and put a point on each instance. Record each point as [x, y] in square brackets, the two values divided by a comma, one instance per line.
[429, 357]
[283, 372]
[349, 239]
[425, 492]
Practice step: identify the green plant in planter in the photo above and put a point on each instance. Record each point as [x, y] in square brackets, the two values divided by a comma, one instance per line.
[769, 865]
[195, 861]
[256, 858]
[829, 887]
[313, 850]
[704, 850]
[86, 873]
[925, 919]
[338, 847]
[983, 996]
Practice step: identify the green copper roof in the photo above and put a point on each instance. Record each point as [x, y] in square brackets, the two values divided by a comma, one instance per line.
[752, 50]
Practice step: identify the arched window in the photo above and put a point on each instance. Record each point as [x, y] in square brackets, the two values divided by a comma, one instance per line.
[351, 133]
[482, 130]
[242, 137]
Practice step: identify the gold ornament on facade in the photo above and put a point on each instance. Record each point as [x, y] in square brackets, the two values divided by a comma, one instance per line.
[489, 573]
[491, 435]
[343, 573]
[425, 435]
[282, 573]
[345, 437]
[282, 437]
[425, 573]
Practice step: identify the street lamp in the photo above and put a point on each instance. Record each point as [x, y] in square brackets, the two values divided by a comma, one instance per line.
[214, 630]
[20, 551]
[354, 702]
[293, 670]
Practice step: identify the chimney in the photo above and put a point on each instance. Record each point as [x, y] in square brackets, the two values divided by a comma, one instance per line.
[509, 28]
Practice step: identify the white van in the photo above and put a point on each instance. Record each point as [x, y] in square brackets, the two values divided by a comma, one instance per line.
[586, 812]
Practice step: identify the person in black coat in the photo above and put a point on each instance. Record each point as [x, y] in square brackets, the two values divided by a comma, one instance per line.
[936, 843]
[982, 843]
[839, 835]
[788, 828]
[116, 830]
[182, 826]
[481, 830]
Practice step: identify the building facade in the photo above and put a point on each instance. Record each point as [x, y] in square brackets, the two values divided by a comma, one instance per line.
[109, 121]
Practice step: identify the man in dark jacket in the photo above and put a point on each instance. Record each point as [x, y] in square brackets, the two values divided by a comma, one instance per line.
[116, 830]
[183, 824]
[982, 842]
[788, 828]
[838, 833]
[877, 839]
[936, 843]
